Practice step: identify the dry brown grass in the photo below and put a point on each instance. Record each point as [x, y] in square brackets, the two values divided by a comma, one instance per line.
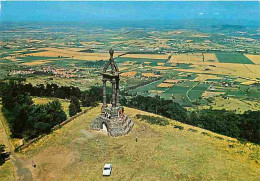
[162, 153]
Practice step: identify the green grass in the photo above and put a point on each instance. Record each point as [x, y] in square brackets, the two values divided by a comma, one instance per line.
[177, 90]
[233, 58]
[194, 94]
[34, 58]
[213, 80]
[161, 153]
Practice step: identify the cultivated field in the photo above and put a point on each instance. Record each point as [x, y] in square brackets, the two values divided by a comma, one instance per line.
[72, 53]
[148, 56]
[233, 58]
[253, 58]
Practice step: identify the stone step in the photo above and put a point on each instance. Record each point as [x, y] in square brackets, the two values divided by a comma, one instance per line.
[127, 122]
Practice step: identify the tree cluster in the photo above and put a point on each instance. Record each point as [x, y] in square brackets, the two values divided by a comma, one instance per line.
[74, 106]
[3, 155]
[242, 126]
[158, 106]
[87, 98]
[25, 119]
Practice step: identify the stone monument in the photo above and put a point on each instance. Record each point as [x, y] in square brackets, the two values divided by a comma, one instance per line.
[112, 116]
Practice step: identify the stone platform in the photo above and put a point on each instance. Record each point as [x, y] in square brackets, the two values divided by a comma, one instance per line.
[116, 125]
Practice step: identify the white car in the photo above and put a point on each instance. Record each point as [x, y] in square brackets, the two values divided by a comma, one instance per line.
[107, 170]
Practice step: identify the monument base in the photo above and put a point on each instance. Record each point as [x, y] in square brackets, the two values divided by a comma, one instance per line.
[116, 124]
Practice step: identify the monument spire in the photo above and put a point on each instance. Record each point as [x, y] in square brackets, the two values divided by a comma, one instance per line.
[112, 116]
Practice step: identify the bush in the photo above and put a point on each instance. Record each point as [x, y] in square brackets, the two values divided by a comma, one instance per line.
[218, 137]
[153, 120]
[206, 134]
[179, 127]
[192, 130]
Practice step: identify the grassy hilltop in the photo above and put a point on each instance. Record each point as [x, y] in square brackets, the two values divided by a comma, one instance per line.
[161, 153]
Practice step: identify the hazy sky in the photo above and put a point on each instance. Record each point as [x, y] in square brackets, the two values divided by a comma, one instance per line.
[86, 11]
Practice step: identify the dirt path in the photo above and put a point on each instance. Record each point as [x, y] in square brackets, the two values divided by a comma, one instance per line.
[187, 93]
[22, 173]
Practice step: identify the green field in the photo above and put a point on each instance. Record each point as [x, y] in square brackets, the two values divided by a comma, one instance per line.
[233, 58]
[147, 87]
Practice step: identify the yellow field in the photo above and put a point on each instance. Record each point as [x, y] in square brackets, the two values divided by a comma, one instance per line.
[73, 53]
[232, 69]
[201, 35]
[207, 94]
[253, 58]
[149, 75]
[148, 56]
[250, 82]
[161, 64]
[128, 74]
[203, 77]
[129, 63]
[74, 152]
[172, 81]
[193, 58]
[189, 57]
[156, 91]
[38, 62]
[162, 68]
[165, 85]
[210, 56]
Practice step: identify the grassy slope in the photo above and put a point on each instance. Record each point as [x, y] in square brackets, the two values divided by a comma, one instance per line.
[6, 171]
[161, 153]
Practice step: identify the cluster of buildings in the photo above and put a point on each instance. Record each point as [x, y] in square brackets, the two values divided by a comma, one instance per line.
[57, 72]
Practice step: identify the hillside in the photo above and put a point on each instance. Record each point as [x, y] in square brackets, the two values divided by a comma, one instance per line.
[161, 153]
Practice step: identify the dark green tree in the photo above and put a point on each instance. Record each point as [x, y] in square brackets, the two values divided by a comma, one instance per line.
[72, 109]
[3, 154]
[76, 102]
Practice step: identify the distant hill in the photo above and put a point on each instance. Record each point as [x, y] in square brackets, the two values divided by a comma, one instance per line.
[227, 26]
[173, 152]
